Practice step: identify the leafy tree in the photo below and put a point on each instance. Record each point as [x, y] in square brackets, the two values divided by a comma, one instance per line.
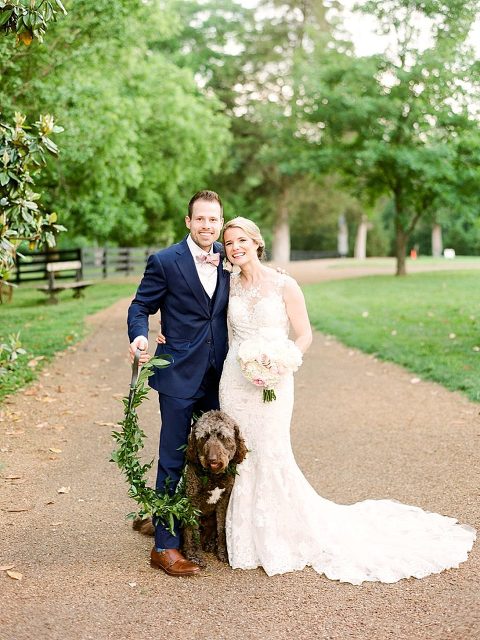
[272, 97]
[397, 124]
[139, 133]
[22, 154]
[252, 60]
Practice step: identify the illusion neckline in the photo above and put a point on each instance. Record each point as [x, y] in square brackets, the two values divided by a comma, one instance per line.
[255, 287]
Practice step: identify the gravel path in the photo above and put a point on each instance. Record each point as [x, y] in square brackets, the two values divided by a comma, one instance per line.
[362, 429]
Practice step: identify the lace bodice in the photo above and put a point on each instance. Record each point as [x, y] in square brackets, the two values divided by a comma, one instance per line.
[256, 308]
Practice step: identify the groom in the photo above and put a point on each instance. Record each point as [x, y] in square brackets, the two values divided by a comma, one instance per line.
[187, 283]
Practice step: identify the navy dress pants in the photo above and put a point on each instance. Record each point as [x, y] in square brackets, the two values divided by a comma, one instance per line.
[176, 414]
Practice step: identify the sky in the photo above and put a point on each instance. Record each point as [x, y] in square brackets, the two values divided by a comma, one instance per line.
[362, 30]
[367, 42]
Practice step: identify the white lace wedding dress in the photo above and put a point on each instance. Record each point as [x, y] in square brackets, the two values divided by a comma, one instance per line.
[277, 521]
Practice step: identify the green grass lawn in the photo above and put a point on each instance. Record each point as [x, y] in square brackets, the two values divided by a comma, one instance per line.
[422, 261]
[428, 323]
[48, 328]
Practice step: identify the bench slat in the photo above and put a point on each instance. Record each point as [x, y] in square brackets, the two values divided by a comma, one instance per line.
[68, 285]
[53, 267]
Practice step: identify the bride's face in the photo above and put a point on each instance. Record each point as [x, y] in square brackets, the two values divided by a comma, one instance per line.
[239, 247]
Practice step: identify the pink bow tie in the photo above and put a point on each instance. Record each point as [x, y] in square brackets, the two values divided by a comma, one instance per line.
[209, 258]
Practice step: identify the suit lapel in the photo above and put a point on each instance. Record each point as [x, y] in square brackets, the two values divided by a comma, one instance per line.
[189, 272]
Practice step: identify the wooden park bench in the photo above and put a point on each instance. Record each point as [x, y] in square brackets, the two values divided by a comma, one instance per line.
[74, 269]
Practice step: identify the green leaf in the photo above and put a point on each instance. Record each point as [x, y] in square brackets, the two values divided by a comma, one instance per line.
[60, 5]
[5, 16]
[50, 145]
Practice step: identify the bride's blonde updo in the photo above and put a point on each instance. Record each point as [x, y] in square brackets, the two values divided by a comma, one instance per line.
[250, 229]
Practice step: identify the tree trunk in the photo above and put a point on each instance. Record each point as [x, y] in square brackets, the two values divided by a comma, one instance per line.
[437, 243]
[360, 252]
[281, 232]
[342, 236]
[401, 239]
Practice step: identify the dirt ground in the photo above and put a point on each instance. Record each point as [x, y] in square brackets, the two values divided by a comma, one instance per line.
[362, 429]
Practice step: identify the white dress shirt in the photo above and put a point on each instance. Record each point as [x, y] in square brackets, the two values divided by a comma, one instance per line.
[207, 272]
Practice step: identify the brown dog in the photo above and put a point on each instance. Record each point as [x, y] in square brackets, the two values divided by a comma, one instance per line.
[214, 448]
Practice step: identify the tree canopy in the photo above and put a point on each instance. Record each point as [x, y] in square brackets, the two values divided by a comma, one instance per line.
[269, 105]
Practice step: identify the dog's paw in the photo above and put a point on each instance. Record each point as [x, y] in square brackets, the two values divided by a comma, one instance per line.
[209, 546]
[144, 526]
[222, 555]
[197, 559]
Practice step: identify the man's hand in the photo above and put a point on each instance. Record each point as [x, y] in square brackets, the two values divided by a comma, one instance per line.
[281, 270]
[139, 343]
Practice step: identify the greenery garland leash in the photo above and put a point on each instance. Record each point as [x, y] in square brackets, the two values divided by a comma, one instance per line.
[162, 506]
[205, 476]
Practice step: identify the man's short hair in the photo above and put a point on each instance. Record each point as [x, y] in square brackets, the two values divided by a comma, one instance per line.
[209, 196]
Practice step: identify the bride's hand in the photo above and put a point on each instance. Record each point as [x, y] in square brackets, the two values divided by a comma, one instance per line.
[161, 338]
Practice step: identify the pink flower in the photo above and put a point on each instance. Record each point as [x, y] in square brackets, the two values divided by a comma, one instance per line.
[258, 382]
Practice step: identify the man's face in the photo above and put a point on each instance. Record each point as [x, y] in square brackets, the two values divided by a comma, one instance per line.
[205, 224]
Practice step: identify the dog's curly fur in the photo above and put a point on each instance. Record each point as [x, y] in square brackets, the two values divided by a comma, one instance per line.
[215, 446]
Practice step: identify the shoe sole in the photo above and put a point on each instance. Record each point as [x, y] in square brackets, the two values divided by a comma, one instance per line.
[154, 565]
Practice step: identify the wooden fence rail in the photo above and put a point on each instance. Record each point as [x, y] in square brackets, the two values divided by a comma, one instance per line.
[97, 262]
[105, 262]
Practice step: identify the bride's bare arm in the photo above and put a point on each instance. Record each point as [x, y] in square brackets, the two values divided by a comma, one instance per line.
[297, 314]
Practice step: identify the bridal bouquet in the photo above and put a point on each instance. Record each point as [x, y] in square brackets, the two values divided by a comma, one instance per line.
[265, 358]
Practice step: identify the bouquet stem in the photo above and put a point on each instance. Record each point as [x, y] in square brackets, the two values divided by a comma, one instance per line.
[269, 395]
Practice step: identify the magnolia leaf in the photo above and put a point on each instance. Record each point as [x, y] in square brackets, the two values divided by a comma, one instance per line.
[5, 15]
[60, 5]
[50, 145]
[55, 450]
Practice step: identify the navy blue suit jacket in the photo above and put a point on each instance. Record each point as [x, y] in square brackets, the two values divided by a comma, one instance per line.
[191, 324]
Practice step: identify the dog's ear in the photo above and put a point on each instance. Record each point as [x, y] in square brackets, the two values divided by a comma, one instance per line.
[241, 447]
[191, 450]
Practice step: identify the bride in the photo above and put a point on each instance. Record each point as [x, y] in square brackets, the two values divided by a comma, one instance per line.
[275, 519]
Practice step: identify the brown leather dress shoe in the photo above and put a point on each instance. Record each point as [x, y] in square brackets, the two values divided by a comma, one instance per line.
[173, 563]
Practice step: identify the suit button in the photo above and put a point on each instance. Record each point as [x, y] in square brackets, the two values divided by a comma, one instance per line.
[209, 341]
